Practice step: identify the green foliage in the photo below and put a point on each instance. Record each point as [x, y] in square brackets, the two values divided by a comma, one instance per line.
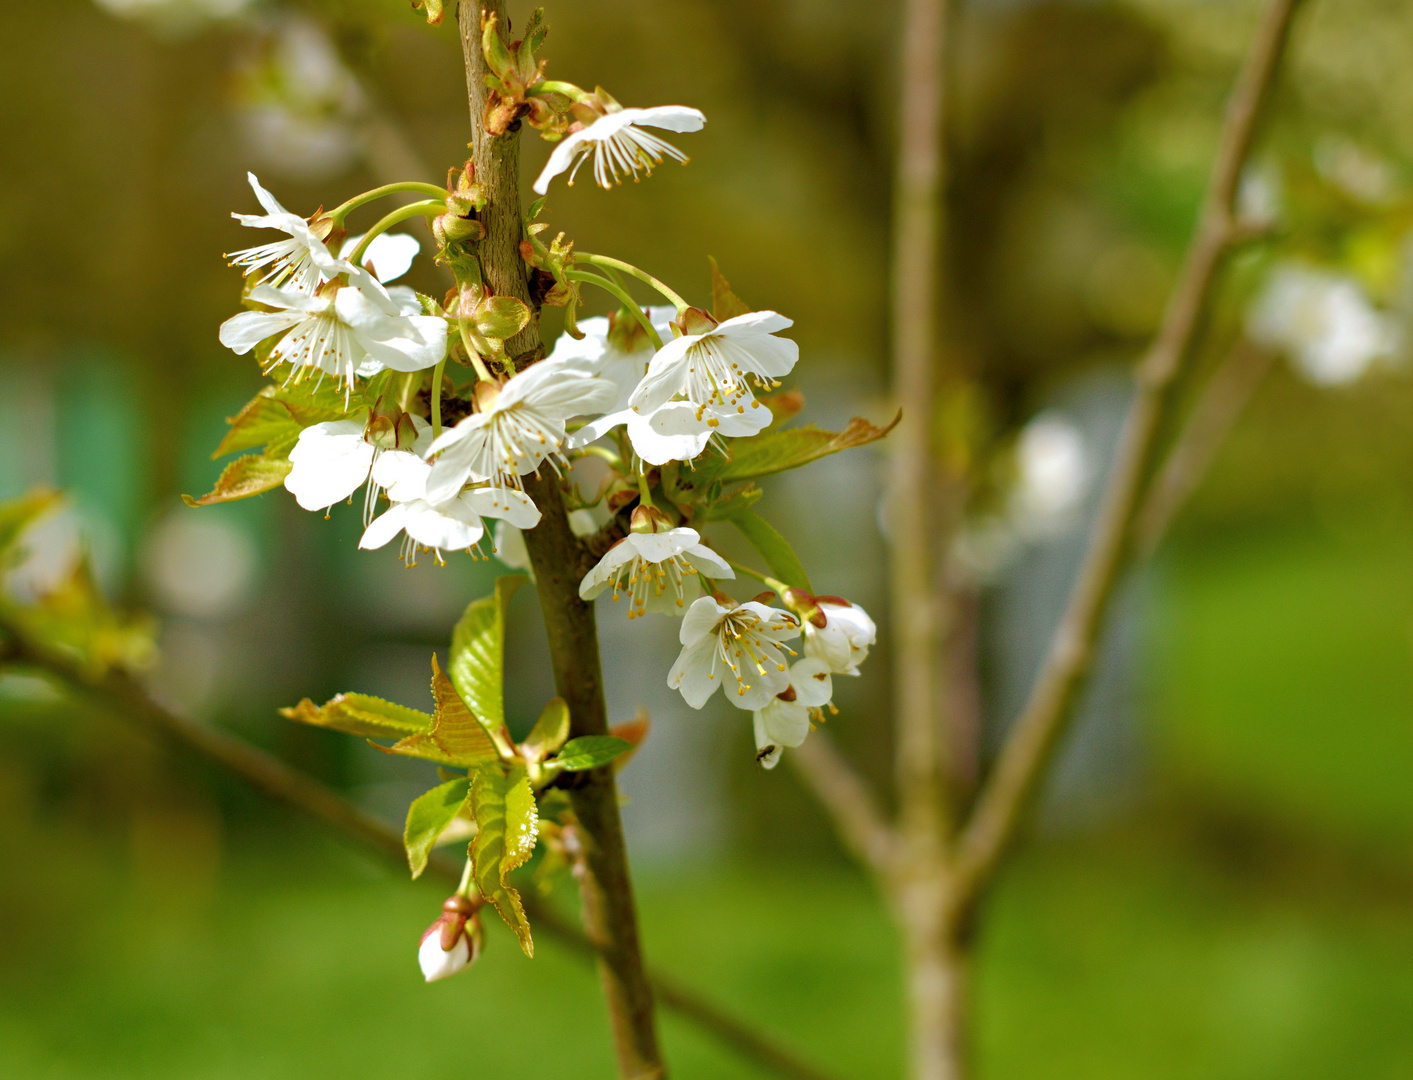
[719, 506]
[428, 817]
[253, 474]
[16, 515]
[550, 731]
[507, 823]
[361, 714]
[456, 737]
[589, 752]
[777, 451]
[477, 659]
[71, 616]
[433, 9]
[725, 304]
[774, 549]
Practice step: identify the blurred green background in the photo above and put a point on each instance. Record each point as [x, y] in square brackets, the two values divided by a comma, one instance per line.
[1220, 883]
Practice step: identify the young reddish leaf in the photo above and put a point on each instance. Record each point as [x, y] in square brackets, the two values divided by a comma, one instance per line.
[724, 303]
[589, 752]
[550, 731]
[773, 548]
[428, 817]
[633, 732]
[456, 736]
[775, 451]
[477, 658]
[244, 477]
[361, 714]
[507, 823]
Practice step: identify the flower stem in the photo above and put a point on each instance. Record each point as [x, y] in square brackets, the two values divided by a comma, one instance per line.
[645, 495]
[622, 294]
[430, 208]
[629, 268]
[466, 888]
[779, 586]
[463, 324]
[555, 86]
[613, 459]
[341, 211]
[436, 395]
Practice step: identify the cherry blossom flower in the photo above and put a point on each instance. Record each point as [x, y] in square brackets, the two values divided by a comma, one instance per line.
[1324, 322]
[447, 524]
[617, 350]
[332, 460]
[301, 262]
[739, 644]
[785, 719]
[355, 329]
[710, 369]
[842, 642]
[518, 427]
[618, 144]
[657, 569]
[389, 254]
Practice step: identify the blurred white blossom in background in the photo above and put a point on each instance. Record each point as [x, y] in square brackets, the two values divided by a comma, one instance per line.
[1053, 474]
[175, 16]
[1324, 322]
[301, 104]
[199, 566]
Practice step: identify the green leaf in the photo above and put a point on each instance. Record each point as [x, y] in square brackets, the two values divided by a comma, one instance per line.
[507, 824]
[550, 731]
[774, 549]
[456, 737]
[725, 304]
[361, 714]
[477, 659]
[17, 514]
[244, 477]
[589, 752]
[428, 817]
[775, 451]
[719, 507]
[500, 317]
[434, 10]
[262, 421]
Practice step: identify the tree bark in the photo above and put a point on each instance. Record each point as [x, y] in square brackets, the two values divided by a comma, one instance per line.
[558, 559]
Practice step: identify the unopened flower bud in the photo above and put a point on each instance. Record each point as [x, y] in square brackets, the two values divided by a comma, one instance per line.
[843, 638]
[389, 428]
[649, 519]
[453, 941]
[694, 320]
[452, 228]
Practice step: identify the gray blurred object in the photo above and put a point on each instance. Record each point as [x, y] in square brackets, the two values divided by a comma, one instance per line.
[1099, 769]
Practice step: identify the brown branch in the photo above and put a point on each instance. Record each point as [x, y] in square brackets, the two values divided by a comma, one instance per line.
[1202, 434]
[851, 806]
[913, 608]
[556, 554]
[278, 781]
[1012, 783]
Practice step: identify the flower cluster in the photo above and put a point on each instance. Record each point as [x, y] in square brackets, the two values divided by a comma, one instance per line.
[643, 427]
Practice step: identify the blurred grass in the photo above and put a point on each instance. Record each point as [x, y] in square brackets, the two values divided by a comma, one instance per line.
[1152, 948]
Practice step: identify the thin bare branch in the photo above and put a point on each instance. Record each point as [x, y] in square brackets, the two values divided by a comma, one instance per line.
[278, 781]
[1013, 781]
[1204, 431]
[851, 806]
[914, 610]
